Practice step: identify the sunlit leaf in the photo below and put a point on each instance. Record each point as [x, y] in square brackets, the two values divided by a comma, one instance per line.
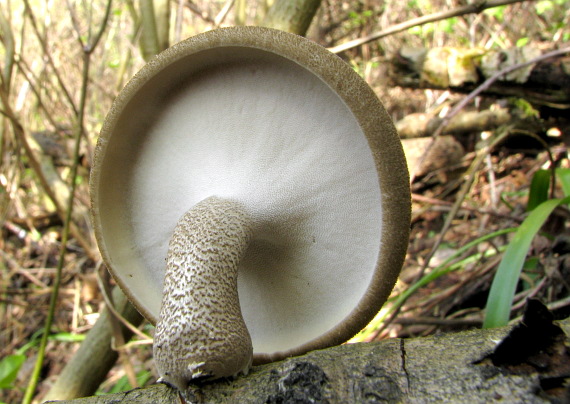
[563, 175]
[542, 6]
[538, 189]
[496, 12]
[502, 292]
[522, 42]
[9, 367]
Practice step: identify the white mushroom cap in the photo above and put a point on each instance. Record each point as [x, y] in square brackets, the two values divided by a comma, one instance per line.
[287, 129]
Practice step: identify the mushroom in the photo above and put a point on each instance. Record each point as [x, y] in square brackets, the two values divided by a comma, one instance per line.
[249, 162]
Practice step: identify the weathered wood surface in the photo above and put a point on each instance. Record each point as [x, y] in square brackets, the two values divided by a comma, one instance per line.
[462, 69]
[532, 365]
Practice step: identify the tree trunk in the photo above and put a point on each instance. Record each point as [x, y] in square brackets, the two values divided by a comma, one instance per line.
[530, 365]
[293, 16]
[155, 26]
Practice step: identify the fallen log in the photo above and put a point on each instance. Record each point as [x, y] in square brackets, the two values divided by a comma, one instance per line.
[527, 363]
[463, 69]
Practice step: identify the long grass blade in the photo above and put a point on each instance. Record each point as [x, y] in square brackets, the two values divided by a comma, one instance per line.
[538, 189]
[444, 268]
[504, 284]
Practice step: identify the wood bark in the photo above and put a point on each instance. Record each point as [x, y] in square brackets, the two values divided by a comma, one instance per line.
[531, 364]
[427, 154]
[422, 124]
[545, 83]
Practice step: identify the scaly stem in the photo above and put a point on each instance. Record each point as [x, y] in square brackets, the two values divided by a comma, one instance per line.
[201, 332]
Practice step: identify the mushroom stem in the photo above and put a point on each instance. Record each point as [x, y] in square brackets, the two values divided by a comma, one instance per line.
[201, 332]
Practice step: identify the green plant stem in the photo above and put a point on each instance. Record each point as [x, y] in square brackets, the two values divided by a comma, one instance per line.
[149, 41]
[65, 237]
[87, 51]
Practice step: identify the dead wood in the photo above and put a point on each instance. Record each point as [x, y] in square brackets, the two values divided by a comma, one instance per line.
[530, 365]
[424, 124]
[545, 83]
[96, 356]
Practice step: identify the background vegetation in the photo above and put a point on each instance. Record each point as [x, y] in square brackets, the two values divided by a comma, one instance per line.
[62, 63]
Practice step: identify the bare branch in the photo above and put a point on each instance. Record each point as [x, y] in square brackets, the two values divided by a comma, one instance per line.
[473, 8]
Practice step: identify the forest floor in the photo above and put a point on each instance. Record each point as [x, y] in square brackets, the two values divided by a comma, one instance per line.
[452, 205]
[497, 199]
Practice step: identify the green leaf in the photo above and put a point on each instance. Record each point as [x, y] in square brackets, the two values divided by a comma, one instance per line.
[448, 25]
[9, 367]
[67, 337]
[522, 42]
[444, 268]
[538, 189]
[497, 12]
[502, 292]
[543, 6]
[563, 175]
[422, 30]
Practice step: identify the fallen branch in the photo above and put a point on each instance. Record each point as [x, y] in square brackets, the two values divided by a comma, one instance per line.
[470, 366]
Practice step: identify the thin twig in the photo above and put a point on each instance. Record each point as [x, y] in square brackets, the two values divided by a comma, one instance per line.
[449, 205]
[18, 130]
[9, 51]
[223, 13]
[106, 296]
[482, 87]
[87, 49]
[439, 321]
[461, 197]
[200, 13]
[546, 147]
[90, 47]
[178, 21]
[48, 56]
[386, 318]
[481, 153]
[476, 162]
[473, 8]
[32, 81]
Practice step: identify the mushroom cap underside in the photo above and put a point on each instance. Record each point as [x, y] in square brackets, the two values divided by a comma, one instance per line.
[290, 131]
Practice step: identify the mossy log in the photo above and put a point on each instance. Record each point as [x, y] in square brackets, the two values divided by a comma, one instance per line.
[463, 69]
[529, 363]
